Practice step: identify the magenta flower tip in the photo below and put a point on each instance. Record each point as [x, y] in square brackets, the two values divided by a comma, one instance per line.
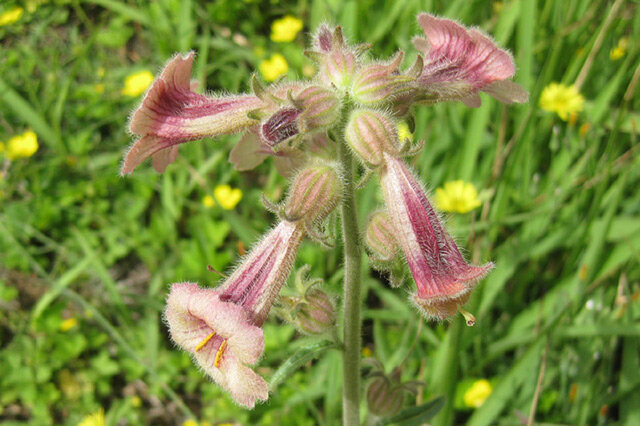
[460, 61]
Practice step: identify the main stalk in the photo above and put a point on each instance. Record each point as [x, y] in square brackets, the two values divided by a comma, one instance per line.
[352, 280]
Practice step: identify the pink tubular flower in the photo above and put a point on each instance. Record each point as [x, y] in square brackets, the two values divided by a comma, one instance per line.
[443, 278]
[459, 62]
[221, 326]
[171, 114]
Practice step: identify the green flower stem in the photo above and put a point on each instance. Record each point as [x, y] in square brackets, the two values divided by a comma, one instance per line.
[352, 322]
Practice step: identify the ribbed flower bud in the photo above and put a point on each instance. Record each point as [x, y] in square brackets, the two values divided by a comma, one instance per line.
[383, 398]
[315, 192]
[336, 60]
[370, 134]
[316, 313]
[380, 83]
[380, 237]
[321, 107]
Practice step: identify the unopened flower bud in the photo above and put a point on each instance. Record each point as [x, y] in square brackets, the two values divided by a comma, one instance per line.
[379, 83]
[316, 313]
[321, 107]
[281, 126]
[380, 237]
[315, 192]
[336, 60]
[383, 398]
[371, 134]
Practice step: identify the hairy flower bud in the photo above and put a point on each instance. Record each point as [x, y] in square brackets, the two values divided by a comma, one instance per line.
[336, 60]
[321, 107]
[380, 83]
[315, 192]
[316, 313]
[370, 134]
[383, 399]
[380, 237]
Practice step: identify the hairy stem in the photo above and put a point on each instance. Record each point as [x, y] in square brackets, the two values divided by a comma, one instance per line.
[352, 323]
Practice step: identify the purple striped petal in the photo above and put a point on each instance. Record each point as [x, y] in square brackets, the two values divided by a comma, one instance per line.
[437, 266]
[171, 114]
[460, 61]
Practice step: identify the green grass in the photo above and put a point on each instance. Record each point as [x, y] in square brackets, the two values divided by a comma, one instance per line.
[560, 217]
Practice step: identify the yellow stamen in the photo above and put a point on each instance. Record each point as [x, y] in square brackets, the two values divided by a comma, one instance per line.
[205, 341]
[219, 353]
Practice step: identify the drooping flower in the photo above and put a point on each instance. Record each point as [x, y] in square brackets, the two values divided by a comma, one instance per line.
[478, 393]
[285, 29]
[561, 99]
[457, 196]
[273, 67]
[22, 146]
[11, 16]
[443, 277]
[136, 83]
[459, 62]
[171, 114]
[227, 197]
[221, 327]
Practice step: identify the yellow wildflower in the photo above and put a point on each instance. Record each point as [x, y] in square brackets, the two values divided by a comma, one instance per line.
[620, 49]
[99, 88]
[208, 201]
[136, 401]
[190, 422]
[137, 83]
[404, 132]
[366, 352]
[285, 29]
[227, 197]
[95, 419]
[457, 196]
[11, 16]
[563, 100]
[273, 67]
[478, 393]
[68, 324]
[24, 145]
[1, 146]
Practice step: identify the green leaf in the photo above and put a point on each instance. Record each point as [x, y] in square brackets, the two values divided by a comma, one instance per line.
[299, 358]
[416, 415]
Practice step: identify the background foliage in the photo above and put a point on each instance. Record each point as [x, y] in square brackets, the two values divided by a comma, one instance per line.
[86, 256]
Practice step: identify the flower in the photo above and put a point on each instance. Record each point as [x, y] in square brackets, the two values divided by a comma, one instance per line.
[381, 83]
[68, 324]
[478, 393]
[273, 67]
[457, 196]
[136, 83]
[460, 61]
[171, 114]
[11, 16]
[221, 327]
[335, 59]
[22, 146]
[95, 419]
[371, 134]
[208, 201]
[227, 197]
[620, 49]
[443, 278]
[563, 100]
[285, 29]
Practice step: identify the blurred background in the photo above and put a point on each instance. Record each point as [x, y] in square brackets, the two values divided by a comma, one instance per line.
[547, 190]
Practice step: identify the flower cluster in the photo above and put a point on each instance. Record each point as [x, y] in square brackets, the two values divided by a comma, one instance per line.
[354, 101]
